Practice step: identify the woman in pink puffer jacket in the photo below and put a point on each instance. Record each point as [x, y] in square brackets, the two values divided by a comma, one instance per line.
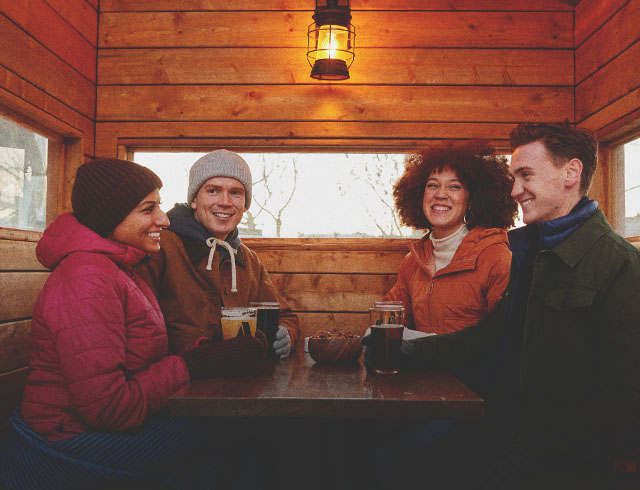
[92, 410]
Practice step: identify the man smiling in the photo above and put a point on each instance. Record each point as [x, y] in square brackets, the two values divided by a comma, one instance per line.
[561, 350]
[203, 265]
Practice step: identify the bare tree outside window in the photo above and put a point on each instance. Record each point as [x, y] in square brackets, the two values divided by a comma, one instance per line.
[273, 191]
[23, 177]
[333, 195]
[379, 174]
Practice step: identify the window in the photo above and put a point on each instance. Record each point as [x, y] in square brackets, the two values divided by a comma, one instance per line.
[23, 177]
[295, 195]
[632, 189]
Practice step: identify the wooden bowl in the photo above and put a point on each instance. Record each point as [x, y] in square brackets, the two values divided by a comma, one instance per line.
[341, 350]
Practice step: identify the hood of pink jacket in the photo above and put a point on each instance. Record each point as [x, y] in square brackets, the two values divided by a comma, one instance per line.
[67, 235]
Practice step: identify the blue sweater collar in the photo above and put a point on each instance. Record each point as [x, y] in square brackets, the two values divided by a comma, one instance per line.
[554, 232]
[550, 234]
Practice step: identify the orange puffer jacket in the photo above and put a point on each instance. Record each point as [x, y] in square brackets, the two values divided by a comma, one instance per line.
[460, 294]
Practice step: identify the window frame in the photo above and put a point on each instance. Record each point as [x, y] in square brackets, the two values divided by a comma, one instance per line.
[62, 152]
[610, 182]
[126, 152]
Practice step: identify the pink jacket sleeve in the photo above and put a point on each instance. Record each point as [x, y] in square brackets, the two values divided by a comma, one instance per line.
[94, 348]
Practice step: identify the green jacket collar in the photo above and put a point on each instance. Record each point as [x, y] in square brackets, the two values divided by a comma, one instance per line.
[578, 243]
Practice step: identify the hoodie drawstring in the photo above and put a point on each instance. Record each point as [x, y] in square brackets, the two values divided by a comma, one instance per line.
[212, 242]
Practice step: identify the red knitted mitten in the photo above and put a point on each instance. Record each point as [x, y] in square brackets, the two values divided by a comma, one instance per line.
[233, 357]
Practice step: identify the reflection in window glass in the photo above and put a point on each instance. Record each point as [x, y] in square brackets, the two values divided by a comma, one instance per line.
[23, 177]
[632, 188]
[304, 194]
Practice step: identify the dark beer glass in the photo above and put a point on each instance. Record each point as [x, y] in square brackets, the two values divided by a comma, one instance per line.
[387, 326]
[386, 339]
[268, 320]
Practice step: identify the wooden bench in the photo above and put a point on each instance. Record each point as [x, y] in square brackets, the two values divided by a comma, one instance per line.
[329, 283]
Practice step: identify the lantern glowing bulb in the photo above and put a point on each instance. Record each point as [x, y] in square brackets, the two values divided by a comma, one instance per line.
[331, 40]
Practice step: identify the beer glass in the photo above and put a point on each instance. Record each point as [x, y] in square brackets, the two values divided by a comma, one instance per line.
[268, 321]
[239, 321]
[387, 326]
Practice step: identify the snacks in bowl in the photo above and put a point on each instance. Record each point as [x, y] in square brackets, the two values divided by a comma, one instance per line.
[335, 347]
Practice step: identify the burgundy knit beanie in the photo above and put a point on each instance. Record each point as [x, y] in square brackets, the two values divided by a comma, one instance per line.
[106, 190]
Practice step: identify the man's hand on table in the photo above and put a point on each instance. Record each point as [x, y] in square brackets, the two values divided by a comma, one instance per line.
[406, 350]
[282, 344]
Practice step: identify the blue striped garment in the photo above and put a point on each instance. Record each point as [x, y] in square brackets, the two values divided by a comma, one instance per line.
[161, 454]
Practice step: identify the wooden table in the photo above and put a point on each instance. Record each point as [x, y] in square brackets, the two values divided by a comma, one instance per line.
[298, 387]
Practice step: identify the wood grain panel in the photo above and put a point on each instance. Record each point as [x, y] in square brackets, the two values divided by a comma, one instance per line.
[591, 14]
[290, 135]
[331, 262]
[374, 29]
[21, 96]
[20, 235]
[613, 112]
[182, 5]
[81, 15]
[310, 323]
[108, 133]
[334, 102]
[30, 60]
[45, 25]
[622, 128]
[607, 42]
[11, 387]
[19, 256]
[613, 81]
[332, 292]
[288, 145]
[288, 65]
[328, 244]
[20, 291]
[14, 345]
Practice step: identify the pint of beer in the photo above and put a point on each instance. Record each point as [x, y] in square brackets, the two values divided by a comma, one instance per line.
[236, 322]
[386, 339]
[268, 319]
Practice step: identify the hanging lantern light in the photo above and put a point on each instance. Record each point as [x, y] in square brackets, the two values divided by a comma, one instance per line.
[331, 40]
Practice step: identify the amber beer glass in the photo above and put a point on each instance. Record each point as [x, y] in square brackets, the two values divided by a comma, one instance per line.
[236, 322]
[268, 320]
[387, 325]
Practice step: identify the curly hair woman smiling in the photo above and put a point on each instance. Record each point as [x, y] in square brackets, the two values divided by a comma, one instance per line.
[455, 274]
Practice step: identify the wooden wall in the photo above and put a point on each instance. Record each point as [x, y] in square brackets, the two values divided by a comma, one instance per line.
[208, 74]
[48, 64]
[48, 51]
[331, 283]
[212, 73]
[607, 57]
[607, 95]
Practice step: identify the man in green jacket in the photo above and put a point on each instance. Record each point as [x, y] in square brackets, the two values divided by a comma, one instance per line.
[558, 362]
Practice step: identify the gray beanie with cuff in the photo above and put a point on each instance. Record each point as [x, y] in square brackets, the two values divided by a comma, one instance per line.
[219, 163]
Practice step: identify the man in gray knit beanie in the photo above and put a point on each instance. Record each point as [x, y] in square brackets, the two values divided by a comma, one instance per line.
[203, 264]
[219, 163]
[219, 192]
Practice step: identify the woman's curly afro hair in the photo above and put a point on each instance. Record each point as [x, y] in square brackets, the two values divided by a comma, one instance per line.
[480, 170]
